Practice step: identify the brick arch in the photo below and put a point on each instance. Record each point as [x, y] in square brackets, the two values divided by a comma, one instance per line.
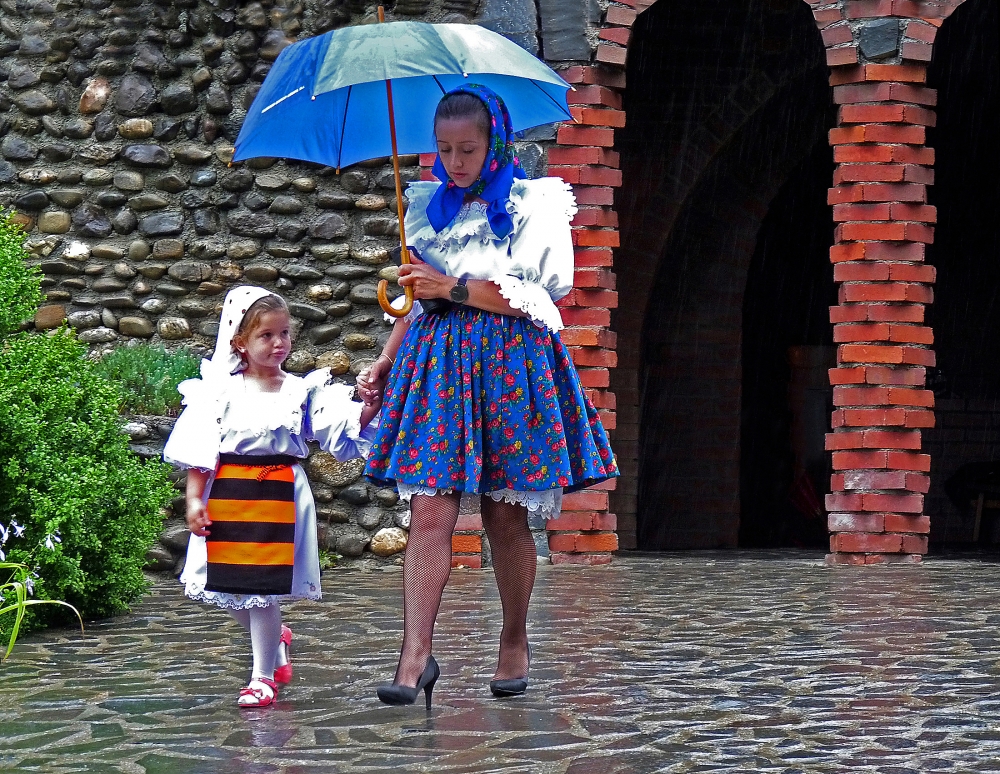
[882, 102]
[690, 347]
[879, 200]
[647, 230]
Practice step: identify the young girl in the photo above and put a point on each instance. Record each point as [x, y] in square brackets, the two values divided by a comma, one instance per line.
[249, 507]
[481, 397]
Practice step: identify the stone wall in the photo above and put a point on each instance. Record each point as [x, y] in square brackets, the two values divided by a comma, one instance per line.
[117, 123]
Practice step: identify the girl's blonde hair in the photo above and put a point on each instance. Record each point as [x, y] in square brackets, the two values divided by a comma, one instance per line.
[260, 307]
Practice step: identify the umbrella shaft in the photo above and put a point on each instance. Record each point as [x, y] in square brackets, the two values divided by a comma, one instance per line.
[405, 254]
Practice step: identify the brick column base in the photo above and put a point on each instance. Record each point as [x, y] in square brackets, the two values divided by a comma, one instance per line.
[467, 541]
[878, 50]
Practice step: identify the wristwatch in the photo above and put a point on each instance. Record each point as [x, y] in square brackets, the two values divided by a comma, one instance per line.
[459, 293]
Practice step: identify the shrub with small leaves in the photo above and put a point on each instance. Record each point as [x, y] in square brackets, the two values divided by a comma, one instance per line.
[86, 508]
[20, 287]
[149, 376]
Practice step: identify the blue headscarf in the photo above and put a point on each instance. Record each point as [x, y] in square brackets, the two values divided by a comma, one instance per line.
[495, 179]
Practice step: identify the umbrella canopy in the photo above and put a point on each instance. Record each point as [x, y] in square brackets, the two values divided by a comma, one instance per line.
[324, 99]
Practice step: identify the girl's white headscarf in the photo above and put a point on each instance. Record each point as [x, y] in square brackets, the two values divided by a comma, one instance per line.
[225, 361]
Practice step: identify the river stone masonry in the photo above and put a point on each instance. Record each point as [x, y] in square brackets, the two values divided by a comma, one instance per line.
[117, 123]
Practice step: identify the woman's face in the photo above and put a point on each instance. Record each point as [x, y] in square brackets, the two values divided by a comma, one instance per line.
[462, 146]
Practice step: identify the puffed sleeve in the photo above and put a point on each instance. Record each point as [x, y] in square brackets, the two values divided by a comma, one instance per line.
[194, 442]
[334, 420]
[541, 250]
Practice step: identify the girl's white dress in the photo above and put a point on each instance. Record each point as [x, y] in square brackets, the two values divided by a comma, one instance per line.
[223, 417]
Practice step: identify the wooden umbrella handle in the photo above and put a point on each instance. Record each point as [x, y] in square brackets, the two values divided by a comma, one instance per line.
[383, 299]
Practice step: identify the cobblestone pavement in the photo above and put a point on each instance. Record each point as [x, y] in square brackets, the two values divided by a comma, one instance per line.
[699, 662]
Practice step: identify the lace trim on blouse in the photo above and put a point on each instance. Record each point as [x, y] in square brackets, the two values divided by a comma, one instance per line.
[520, 283]
[531, 298]
[284, 409]
[471, 222]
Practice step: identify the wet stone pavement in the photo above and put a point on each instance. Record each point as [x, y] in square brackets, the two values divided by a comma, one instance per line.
[698, 662]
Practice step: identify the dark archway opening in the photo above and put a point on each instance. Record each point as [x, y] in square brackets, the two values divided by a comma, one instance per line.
[965, 315]
[787, 351]
[727, 102]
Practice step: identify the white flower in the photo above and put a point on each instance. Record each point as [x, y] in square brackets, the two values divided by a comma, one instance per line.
[17, 528]
[3, 556]
[51, 540]
[3, 534]
[29, 584]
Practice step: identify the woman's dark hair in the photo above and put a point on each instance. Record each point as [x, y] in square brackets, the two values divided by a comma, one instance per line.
[462, 105]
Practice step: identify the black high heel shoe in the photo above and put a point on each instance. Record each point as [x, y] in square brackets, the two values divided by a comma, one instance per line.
[511, 687]
[404, 694]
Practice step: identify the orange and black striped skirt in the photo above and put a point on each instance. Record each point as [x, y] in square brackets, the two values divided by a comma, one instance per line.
[251, 547]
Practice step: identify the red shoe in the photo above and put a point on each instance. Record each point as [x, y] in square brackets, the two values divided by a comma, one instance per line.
[283, 674]
[260, 692]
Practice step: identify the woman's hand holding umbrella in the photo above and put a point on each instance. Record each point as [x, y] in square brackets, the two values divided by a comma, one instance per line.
[426, 281]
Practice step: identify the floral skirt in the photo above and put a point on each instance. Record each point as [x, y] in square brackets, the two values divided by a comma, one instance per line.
[483, 403]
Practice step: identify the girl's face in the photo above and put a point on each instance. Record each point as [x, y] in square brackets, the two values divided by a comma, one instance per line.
[462, 146]
[266, 344]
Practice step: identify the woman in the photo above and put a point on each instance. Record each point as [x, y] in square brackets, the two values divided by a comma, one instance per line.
[480, 397]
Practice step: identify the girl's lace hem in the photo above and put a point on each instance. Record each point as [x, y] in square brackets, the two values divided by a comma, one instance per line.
[242, 601]
[547, 503]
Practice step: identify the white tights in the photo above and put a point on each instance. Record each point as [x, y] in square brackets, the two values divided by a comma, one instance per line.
[264, 625]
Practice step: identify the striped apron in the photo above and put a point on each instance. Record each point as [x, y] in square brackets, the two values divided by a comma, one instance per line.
[252, 542]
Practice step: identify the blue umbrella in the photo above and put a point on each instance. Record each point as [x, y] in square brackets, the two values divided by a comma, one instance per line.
[333, 99]
[324, 99]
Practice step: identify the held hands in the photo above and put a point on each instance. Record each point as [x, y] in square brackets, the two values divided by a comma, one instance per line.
[197, 517]
[371, 381]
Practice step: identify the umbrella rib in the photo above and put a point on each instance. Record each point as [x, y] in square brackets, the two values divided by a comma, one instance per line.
[343, 126]
[554, 102]
[443, 91]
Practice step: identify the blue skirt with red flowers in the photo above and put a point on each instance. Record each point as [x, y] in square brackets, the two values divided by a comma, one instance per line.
[481, 403]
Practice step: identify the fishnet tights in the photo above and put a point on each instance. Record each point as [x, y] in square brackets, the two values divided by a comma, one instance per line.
[427, 566]
[514, 563]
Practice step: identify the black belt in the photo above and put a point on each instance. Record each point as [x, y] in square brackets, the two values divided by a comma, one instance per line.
[258, 460]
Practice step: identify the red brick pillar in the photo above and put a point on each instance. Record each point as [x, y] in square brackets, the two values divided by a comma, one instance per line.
[877, 50]
[585, 532]
[583, 157]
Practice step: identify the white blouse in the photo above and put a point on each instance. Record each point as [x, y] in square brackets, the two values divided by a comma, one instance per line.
[224, 417]
[533, 265]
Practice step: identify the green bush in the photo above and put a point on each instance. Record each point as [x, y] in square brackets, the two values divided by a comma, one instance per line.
[20, 287]
[149, 376]
[86, 508]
